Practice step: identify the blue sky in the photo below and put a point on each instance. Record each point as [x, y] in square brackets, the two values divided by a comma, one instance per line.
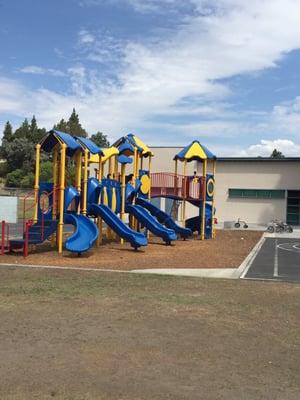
[225, 72]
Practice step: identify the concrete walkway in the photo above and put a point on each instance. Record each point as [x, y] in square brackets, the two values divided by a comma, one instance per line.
[226, 273]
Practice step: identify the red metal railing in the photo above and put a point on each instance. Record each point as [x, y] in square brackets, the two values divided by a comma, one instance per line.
[28, 224]
[44, 206]
[4, 237]
[185, 187]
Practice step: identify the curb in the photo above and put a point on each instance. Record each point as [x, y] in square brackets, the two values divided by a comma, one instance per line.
[246, 264]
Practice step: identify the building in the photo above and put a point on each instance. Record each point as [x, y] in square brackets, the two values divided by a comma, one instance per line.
[255, 189]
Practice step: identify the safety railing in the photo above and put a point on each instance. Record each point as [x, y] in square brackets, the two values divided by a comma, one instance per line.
[170, 184]
[44, 207]
[28, 224]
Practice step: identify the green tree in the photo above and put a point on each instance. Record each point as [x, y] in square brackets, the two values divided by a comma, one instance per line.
[8, 132]
[62, 126]
[6, 138]
[36, 133]
[100, 139]
[72, 126]
[276, 154]
[75, 128]
[20, 155]
[46, 171]
[23, 131]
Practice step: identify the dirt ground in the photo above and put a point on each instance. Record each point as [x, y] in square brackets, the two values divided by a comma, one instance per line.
[73, 335]
[228, 250]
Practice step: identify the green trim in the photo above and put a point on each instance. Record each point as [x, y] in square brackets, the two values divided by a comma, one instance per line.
[256, 193]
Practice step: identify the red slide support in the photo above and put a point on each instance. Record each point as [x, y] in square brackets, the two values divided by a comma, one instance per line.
[4, 237]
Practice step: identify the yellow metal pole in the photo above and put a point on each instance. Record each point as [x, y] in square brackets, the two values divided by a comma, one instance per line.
[213, 230]
[115, 174]
[134, 166]
[184, 198]
[78, 174]
[149, 193]
[110, 167]
[175, 176]
[37, 181]
[204, 200]
[100, 222]
[100, 169]
[61, 196]
[149, 169]
[123, 175]
[54, 169]
[85, 181]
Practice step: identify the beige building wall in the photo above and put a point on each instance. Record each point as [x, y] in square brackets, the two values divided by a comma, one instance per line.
[282, 175]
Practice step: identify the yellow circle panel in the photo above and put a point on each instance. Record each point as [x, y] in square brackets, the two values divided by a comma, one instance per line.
[145, 184]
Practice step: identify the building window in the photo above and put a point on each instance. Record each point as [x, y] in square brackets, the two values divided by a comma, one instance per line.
[293, 207]
[256, 193]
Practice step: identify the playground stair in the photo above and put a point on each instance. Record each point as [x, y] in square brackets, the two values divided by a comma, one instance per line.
[37, 233]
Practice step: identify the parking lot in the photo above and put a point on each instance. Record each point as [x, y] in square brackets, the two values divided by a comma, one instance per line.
[277, 259]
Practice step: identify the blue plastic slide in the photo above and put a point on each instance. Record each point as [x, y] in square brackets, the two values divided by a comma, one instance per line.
[136, 239]
[85, 235]
[151, 223]
[163, 218]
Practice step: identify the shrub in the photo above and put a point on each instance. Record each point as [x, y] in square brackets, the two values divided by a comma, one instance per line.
[13, 179]
[27, 181]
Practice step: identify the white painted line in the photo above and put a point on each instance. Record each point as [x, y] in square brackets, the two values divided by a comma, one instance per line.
[246, 264]
[293, 247]
[275, 274]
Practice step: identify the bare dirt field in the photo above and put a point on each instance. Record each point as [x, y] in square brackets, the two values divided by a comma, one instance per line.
[111, 336]
[228, 250]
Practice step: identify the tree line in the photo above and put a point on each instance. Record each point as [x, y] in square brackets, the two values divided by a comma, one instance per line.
[17, 151]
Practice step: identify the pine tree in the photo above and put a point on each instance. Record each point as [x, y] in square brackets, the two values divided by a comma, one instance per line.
[72, 126]
[75, 128]
[23, 131]
[62, 126]
[100, 139]
[8, 132]
[36, 133]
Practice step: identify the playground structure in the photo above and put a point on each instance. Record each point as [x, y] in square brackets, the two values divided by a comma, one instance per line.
[88, 202]
[196, 190]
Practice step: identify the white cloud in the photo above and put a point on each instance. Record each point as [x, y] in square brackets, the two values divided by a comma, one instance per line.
[85, 37]
[36, 70]
[178, 73]
[266, 147]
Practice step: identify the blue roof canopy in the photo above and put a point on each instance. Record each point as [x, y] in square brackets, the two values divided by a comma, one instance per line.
[90, 145]
[54, 137]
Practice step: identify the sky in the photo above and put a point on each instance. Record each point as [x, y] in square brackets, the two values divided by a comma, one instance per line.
[224, 72]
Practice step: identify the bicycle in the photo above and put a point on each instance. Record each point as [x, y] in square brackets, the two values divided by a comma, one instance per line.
[239, 222]
[279, 227]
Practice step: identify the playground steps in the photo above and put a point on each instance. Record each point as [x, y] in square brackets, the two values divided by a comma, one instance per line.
[37, 233]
